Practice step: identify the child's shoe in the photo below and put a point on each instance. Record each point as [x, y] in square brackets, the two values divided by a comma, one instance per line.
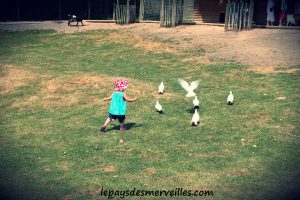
[122, 129]
[102, 129]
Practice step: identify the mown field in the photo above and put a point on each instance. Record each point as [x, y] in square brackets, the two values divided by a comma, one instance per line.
[51, 86]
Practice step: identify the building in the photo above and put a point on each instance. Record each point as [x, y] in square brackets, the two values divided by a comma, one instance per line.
[23, 10]
[200, 11]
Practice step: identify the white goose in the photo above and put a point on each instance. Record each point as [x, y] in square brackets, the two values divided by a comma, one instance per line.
[158, 107]
[161, 88]
[189, 88]
[230, 98]
[196, 103]
[196, 118]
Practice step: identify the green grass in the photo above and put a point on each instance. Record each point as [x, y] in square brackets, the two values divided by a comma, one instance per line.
[51, 148]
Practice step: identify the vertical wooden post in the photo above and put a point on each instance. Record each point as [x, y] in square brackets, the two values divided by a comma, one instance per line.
[241, 15]
[117, 12]
[134, 11]
[89, 9]
[127, 12]
[246, 16]
[181, 11]
[226, 15]
[173, 13]
[114, 11]
[234, 15]
[162, 13]
[122, 14]
[247, 19]
[168, 14]
[231, 15]
[252, 14]
[141, 17]
[237, 16]
[251, 10]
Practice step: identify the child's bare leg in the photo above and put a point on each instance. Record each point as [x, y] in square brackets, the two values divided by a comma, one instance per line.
[122, 127]
[105, 124]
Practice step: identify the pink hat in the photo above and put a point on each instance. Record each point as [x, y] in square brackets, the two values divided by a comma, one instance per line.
[121, 85]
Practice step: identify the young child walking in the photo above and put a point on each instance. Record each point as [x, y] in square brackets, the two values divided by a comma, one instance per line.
[117, 108]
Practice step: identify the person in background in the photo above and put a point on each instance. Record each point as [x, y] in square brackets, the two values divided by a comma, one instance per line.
[270, 13]
[283, 12]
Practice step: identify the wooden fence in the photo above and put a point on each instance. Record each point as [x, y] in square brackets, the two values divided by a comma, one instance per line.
[239, 16]
[125, 14]
[171, 15]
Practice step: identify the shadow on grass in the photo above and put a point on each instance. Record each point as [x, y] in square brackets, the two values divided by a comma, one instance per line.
[191, 110]
[128, 126]
[160, 112]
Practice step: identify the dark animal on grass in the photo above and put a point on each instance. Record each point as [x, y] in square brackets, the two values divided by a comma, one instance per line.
[74, 18]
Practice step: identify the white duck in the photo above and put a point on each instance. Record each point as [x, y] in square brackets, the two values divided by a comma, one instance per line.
[158, 107]
[196, 118]
[230, 98]
[161, 88]
[189, 88]
[196, 103]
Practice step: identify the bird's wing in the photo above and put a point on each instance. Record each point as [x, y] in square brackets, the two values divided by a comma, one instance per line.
[195, 118]
[158, 107]
[184, 84]
[161, 87]
[195, 102]
[230, 98]
[195, 84]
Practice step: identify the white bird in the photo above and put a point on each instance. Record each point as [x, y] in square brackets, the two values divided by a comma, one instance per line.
[196, 103]
[189, 88]
[196, 118]
[230, 98]
[158, 107]
[161, 88]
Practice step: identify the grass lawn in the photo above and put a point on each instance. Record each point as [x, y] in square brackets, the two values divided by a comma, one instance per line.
[51, 86]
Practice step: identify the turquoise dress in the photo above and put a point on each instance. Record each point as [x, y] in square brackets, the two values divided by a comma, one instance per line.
[117, 104]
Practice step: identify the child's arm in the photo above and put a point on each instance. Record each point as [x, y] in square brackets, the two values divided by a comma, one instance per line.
[107, 98]
[128, 99]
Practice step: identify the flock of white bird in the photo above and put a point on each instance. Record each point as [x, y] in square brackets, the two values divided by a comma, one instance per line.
[189, 88]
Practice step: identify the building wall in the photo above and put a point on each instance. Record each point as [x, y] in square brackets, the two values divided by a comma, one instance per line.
[152, 9]
[8, 11]
[11, 10]
[50, 9]
[102, 9]
[260, 12]
[188, 11]
[209, 11]
[197, 10]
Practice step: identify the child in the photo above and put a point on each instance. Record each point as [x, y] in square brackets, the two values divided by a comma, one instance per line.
[117, 108]
[283, 12]
[270, 13]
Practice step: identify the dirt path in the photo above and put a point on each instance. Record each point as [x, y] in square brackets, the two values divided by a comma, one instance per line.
[259, 47]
